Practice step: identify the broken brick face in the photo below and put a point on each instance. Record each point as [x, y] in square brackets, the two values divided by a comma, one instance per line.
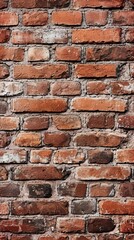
[66, 119]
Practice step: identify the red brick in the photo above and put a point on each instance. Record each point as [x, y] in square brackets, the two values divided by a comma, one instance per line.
[96, 35]
[25, 37]
[26, 4]
[97, 139]
[38, 54]
[39, 207]
[116, 207]
[39, 105]
[122, 87]
[35, 18]
[68, 53]
[4, 140]
[110, 237]
[97, 87]
[9, 123]
[4, 35]
[102, 190]
[28, 139]
[125, 156]
[67, 18]
[35, 123]
[102, 173]
[56, 139]
[126, 121]
[3, 174]
[13, 156]
[127, 189]
[39, 4]
[96, 17]
[130, 236]
[38, 173]
[129, 37]
[66, 88]
[3, 4]
[122, 53]
[21, 237]
[100, 156]
[40, 71]
[72, 189]
[40, 156]
[53, 237]
[37, 88]
[68, 156]
[9, 190]
[4, 208]
[123, 18]
[127, 226]
[95, 70]
[8, 19]
[99, 3]
[71, 225]
[67, 122]
[11, 54]
[82, 237]
[3, 237]
[101, 121]
[94, 104]
[22, 226]
[4, 71]
[3, 107]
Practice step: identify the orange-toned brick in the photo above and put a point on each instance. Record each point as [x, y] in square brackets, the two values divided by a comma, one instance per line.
[28, 139]
[8, 19]
[96, 35]
[97, 18]
[35, 18]
[67, 18]
[68, 53]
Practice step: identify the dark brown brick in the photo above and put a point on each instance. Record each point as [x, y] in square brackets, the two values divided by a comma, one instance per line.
[39, 207]
[127, 189]
[3, 107]
[40, 190]
[57, 139]
[100, 157]
[4, 140]
[83, 207]
[97, 225]
[72, 189]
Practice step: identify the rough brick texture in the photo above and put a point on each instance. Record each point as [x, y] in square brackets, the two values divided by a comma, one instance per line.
[66, 119]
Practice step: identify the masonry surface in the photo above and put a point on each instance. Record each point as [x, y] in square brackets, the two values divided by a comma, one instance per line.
[66, 120]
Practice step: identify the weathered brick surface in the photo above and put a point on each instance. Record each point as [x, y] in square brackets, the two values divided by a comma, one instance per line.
[66, 119]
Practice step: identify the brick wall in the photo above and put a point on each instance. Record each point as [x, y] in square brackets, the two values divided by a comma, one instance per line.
[66, 120]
